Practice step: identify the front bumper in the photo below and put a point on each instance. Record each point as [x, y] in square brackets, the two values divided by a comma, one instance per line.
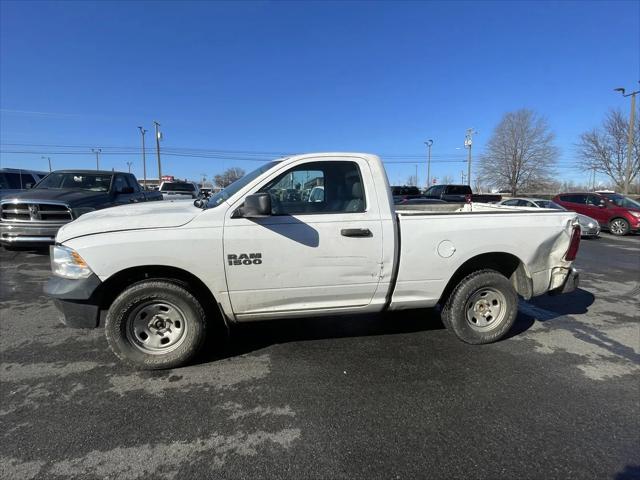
[590, 232]
[570, 283]
[77, 300]
[28, 234]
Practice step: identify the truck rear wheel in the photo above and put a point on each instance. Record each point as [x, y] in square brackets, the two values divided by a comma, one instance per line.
[482, 308]
[155, 324]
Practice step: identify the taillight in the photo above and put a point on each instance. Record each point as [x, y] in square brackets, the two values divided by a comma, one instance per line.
[572, 251]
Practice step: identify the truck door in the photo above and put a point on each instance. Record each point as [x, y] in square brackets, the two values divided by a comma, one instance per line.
[314, 251]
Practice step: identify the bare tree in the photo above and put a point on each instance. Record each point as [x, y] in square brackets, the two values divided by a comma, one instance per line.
[604, 149]
[412, 181]
[228, 177]
[520, 154]
[447, 180]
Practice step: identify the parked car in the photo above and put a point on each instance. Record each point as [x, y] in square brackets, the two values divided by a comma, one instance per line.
[165, 274]
[614, 212]
[33, 217]
[179, 190]
[13, 180]
[405, 192]
[589, 227]
[459, 194]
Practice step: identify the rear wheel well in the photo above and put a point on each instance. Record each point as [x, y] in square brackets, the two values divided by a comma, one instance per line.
[117, 283]
[505, 263]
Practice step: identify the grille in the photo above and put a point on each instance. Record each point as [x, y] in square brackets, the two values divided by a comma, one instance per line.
[35, 212]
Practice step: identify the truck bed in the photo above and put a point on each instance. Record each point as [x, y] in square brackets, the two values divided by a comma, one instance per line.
[448, 208]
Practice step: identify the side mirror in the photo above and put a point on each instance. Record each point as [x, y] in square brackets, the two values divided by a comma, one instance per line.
[602, 204]
[124, 190]
[257, 205]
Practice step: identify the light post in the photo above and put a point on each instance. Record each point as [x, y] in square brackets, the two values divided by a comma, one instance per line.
[428, 143]
[129, 166]
[158, 136]
[97, 152]
[468, 141]
[632, 116]
[144, 159]
[49, 160]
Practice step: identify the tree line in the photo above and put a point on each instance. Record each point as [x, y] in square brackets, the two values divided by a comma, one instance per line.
[521, 154]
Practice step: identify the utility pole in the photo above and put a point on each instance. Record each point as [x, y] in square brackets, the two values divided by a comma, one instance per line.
[462, 176]
[97, 152]
[49, 160]
[468, 141]
[428, 143]
[417, 175]
[632, 116]
[129, 165]
[144, 159]
[158, 136]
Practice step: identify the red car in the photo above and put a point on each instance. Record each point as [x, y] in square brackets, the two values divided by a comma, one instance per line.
[615, 212]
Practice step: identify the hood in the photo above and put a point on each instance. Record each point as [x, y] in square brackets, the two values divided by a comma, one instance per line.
[71, 197]
[137, 216]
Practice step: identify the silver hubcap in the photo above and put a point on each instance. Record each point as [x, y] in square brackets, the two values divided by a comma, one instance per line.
[156, 327]
[618, 227]
[485, 309]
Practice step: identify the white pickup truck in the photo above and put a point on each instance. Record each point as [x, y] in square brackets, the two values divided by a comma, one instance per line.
[159, 275]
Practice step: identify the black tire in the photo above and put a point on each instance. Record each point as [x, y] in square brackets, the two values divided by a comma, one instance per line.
[182, 320]
[492, 322]
[619, 227]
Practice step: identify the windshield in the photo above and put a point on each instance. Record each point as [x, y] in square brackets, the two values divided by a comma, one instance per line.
[175, 186]
[223, 195]
[549, 204]
[95, 182]
[622, 201]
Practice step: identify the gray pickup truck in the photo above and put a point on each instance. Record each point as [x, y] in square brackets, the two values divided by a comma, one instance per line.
[32, 217]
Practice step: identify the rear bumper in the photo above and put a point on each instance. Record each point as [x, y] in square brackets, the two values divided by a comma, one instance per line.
[77, 300]
[28, 234]
[570, 283]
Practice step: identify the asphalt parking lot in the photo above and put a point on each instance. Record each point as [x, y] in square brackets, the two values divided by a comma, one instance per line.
[393, 396]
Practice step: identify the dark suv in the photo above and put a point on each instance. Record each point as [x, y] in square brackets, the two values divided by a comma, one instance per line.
[615, 212]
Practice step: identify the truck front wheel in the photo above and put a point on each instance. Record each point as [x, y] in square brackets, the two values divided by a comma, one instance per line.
[155, 324]
[482, 308]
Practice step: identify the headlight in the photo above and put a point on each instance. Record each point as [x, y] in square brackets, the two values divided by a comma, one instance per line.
[591, 225]
[81, 211]
[67, 263]
[635, 214]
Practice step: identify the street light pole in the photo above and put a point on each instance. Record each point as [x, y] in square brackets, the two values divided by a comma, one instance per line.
[97, 152]
[468, 141]
[632, 116]
[428, 143]
[144, 159]
[49, 160]
[157, 125]
[129, 165]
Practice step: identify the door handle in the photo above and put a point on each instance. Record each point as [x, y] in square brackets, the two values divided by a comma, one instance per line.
[356, 232]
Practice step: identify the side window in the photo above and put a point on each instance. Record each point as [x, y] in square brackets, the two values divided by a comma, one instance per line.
[14, 180]
[511, 203]
[593, 200]
[317, 187]
[131, 182]
[119, 183]
[573, 198]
